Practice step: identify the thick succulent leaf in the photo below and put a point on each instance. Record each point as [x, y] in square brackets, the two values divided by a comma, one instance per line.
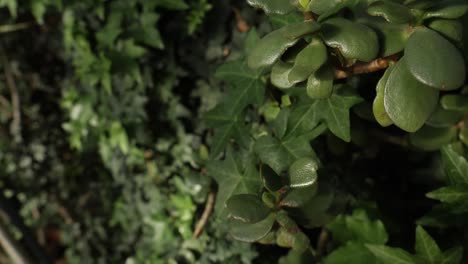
[273, 45]
[378, 107]
[455, 102]
[408, 102]
[388, 255]
[331, 7]
[444, 118]
[279, 21]
[280, 75]
[434, 61]
[448, 9]
[426, 247]
[303, 172]
[449, 28]
[309, 60]
[320, 83]
[419, 4]
[390, 11]
[254, 212]
[234, 175]
[334, 111]
[455, 165]
[297, 197]
[433, 138]
[294, 239]
[247, 232]
[280, 124]
[280, 154]
[351, 253]
[354, 41]
[392, 37]
[280, 7]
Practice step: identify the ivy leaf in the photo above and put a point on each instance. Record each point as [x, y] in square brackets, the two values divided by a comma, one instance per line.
[451, 194]
[334, 111]
[247, 88]
[455, 165]
[453, 256]
[351, 253]
[388, 255]
[237, 174]
[280, 154]
[426, 247]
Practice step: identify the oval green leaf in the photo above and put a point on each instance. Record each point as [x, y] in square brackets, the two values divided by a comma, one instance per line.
[392, 37]
[320, 83]
[309, 60]
[433, 138]
[378, 107]
[237, 209]
[297, 197]
[354, 41]
[408, 102]
[449, 28]
[448, 9]
[279, 75]
[455, 102]
[390, 11]
[270, 48]
[303, 172]
[279, 7]
[434, 61]
[444, 118]
[247, 232]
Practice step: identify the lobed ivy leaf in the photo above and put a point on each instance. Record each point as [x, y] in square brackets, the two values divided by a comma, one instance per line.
[426, 247]
[236, 174]
[455, 166]
[388, 255]
[334, 111]
[351, 253]
[453, 256]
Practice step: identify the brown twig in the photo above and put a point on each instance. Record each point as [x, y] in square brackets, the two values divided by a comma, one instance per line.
[322, 242]
[368, 67]
[241, 24]
[15, 99]
[206, 214]
[65, 215]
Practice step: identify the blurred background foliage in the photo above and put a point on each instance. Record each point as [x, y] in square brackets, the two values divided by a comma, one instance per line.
[101, 151]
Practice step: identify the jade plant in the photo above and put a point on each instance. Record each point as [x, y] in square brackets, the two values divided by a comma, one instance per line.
[331, 72]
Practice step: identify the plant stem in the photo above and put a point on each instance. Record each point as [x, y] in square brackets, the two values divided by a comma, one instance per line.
[368, 67]
[206, 214]
[15, 27]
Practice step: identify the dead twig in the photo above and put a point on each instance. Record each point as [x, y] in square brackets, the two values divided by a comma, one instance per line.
[368, 67]
[241, 24]
[15, 99]
[206, 214]
[322, 242]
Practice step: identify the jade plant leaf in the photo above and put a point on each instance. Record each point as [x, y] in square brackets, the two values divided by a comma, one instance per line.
[444, 118]
[391, 11]
[280, 75]
[449, 28]
[309, 60]
[432, 138]
[455, 102]
[247, 232]
[354, 41]
[408, 102]
[303, 172]
[254, 212]
[297, 197]
[270, 48]
[280, 7]
[320, 83]
[294, 239]
[434, 61]
[378, 106]
[447, 9]
[392, 37]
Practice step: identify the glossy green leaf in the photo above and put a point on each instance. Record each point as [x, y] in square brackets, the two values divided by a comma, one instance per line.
[433, 138]
[408, 102]
[450, 29]
[251, 232]
[280, 124]
[237, 174]
[280, 75]
[309, 60]
[285, 221]
[453, 256]
[331, 7]
[447, 9]
[419, 4]
[320, 83]
[426, 247]
[272, 46]
[297, 197]
[295, 240]
[254, 212]
[455, 102]
[303, 172]
[280, 154]
[354, 41]
[351, 253]
[273, 6]
[334, 111]
[279, 21]
[378, 107]
[390, 11]
[434, 61]
[455, 165]
[392, 37]
[444, 118]
[388, 255]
